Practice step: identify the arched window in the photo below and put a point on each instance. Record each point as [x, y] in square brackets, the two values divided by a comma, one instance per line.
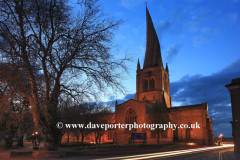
[152, 84]
[130, 118]
[145, 86]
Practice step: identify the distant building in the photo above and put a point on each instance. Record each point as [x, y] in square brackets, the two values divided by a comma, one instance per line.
[234, 89]
[153, 84]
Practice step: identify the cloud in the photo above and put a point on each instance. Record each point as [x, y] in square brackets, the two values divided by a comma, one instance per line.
[112, 98]
[173, 25]
[207, 33]
[183, 18]
[190, 90]
[161, 7]
[199, 40]
[172, 51]
[210, 31]
[164, 25]
[120, 14]
[232, 17]
[201, 14]
[199, 89]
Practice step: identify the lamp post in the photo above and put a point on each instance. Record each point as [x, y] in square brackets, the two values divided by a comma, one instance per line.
[35, 145]
[221, 136]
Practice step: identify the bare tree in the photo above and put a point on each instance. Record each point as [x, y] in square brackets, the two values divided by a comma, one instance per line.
[72, 51]
[83, 116]
[26, 125]
[158, 114]
[102, 115]
[15, 116]
[10, 118]
[14, 108]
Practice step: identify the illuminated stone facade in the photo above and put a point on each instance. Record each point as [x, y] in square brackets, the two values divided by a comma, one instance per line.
[153, 84]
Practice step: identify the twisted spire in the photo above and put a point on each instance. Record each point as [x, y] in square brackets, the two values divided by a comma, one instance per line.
[153, 52]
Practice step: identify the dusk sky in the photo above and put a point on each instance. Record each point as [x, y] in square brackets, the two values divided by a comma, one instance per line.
[200, 41]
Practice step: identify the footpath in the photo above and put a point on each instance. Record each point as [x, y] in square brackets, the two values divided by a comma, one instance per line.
[29, 153]
[23, 151]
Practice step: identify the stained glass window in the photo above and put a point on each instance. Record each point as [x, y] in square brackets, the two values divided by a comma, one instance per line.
[130, 117]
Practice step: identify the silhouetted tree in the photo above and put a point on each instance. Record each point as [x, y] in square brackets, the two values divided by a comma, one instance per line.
[26, 124]
[15, 117]
[102, 115]
[83, 115]
[15, 112]
[158, 114]
[71, 50]
[10, 117]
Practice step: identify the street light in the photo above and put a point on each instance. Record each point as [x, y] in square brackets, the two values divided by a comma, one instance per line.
[221, 136]
[35, 145]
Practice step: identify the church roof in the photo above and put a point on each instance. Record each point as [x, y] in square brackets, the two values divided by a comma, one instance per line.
[153, 51]
[202, 105]
[131, 100]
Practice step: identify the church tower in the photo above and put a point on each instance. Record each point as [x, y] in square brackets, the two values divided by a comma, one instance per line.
[153, 80]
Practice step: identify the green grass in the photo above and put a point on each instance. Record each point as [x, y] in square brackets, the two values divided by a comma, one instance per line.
[14, 145]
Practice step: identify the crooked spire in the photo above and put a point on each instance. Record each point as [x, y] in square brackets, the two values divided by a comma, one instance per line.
[153, 52]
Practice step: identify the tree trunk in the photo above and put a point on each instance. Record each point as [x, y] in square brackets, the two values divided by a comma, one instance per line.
[60, 142]
[96, 138]
[78, 139]
[8, 140]
[68, 138]
[99, 139]
[20, 141]
[51, 136]
[158, 136]
[82, 139]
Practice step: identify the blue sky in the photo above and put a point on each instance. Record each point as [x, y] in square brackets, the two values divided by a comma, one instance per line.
[200, 41]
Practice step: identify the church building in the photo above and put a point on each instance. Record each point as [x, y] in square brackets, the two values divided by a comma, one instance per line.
[153, 84]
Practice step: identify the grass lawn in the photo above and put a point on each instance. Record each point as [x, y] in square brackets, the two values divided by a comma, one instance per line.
[25, 144]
